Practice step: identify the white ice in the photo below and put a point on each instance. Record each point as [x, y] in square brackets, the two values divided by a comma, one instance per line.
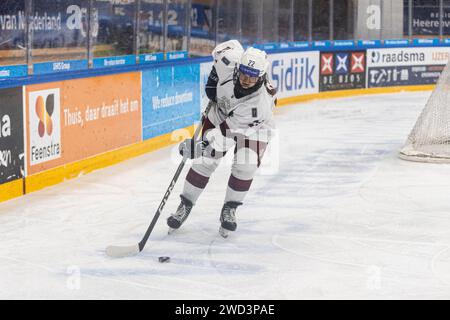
[342, 218]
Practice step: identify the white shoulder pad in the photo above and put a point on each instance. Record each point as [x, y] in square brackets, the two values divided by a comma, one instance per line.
[225, 46]
[227, 56]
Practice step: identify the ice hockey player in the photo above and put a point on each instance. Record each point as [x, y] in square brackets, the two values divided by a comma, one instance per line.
[241, 119]
[227, 56]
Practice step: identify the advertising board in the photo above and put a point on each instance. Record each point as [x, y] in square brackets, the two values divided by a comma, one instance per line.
[295, 73]
[171, 99]
[342, 70]
[76, 119]
[405, 66]
[11, 135]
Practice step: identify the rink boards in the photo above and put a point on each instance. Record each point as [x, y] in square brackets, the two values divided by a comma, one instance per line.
[59, 127]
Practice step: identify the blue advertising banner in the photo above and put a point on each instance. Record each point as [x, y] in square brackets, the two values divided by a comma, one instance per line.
[369, 43]
[59, 66]
[13, 71]
[397, 42]
[114, 61]
[267, 46]
[151, 57]
[170, 99]
[321, 44]
[426, 42]
[343, 43]
[303, 44]
[176, 55]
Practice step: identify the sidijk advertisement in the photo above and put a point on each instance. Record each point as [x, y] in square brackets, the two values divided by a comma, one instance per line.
[76, 119]
[11, 135]
[295, 73]
[342, 70]
[405, 66]
[171, 99]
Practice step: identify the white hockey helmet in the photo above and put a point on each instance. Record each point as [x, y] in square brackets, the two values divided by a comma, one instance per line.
[230, 45]
[227, 56]
[254, 63]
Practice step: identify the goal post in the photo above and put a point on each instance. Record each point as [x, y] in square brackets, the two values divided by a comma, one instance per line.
[429, 140]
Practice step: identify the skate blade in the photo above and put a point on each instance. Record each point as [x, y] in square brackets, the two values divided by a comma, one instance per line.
[224, 232]
[171, 230]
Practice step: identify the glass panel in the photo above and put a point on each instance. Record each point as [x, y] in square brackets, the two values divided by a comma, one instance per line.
[115, 20]
[12, 32]
[343, 20]
[270, 21]
[203, 26]
[284, 18]
[151, 26]
[321, 20]
[379, 19]
[301, 20]
[446, 19]
[59, 30]
[425, 18]
[392, 17]
[177, 25]
[229, 21]
[250, 23]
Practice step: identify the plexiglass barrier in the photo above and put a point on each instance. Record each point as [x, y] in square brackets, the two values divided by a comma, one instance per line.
[43, 36]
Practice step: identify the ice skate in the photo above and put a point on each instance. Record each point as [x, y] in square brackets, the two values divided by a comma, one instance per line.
[228, 218]
[177, 219]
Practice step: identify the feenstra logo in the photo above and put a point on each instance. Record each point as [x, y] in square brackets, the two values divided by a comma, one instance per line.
[44, 111]
[45, 127]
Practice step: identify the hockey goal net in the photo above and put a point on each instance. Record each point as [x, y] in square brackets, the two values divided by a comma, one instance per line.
[429, 140]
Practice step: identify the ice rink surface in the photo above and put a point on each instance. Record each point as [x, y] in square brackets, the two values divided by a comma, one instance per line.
[339, 217]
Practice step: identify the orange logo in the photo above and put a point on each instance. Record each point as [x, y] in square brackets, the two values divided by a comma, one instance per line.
[44, 112]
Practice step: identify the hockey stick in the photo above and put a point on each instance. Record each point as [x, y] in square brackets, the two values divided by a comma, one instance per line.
[125, 251]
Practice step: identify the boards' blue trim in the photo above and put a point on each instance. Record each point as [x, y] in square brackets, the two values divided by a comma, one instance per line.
[176, 55]
[151, 57]
[34, 79]
[114, 61]
[8, 72]
[17, 77]
[59, 66]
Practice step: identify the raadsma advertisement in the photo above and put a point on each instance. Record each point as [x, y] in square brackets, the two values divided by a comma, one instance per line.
[405, 66]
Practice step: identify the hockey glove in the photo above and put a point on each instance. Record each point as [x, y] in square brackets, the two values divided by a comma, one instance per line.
[219, 142]
[191, 149]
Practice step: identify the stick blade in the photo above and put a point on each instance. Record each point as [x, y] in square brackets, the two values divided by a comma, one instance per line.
[122, 251]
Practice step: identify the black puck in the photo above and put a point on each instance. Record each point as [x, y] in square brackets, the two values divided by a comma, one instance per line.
[164, 259]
